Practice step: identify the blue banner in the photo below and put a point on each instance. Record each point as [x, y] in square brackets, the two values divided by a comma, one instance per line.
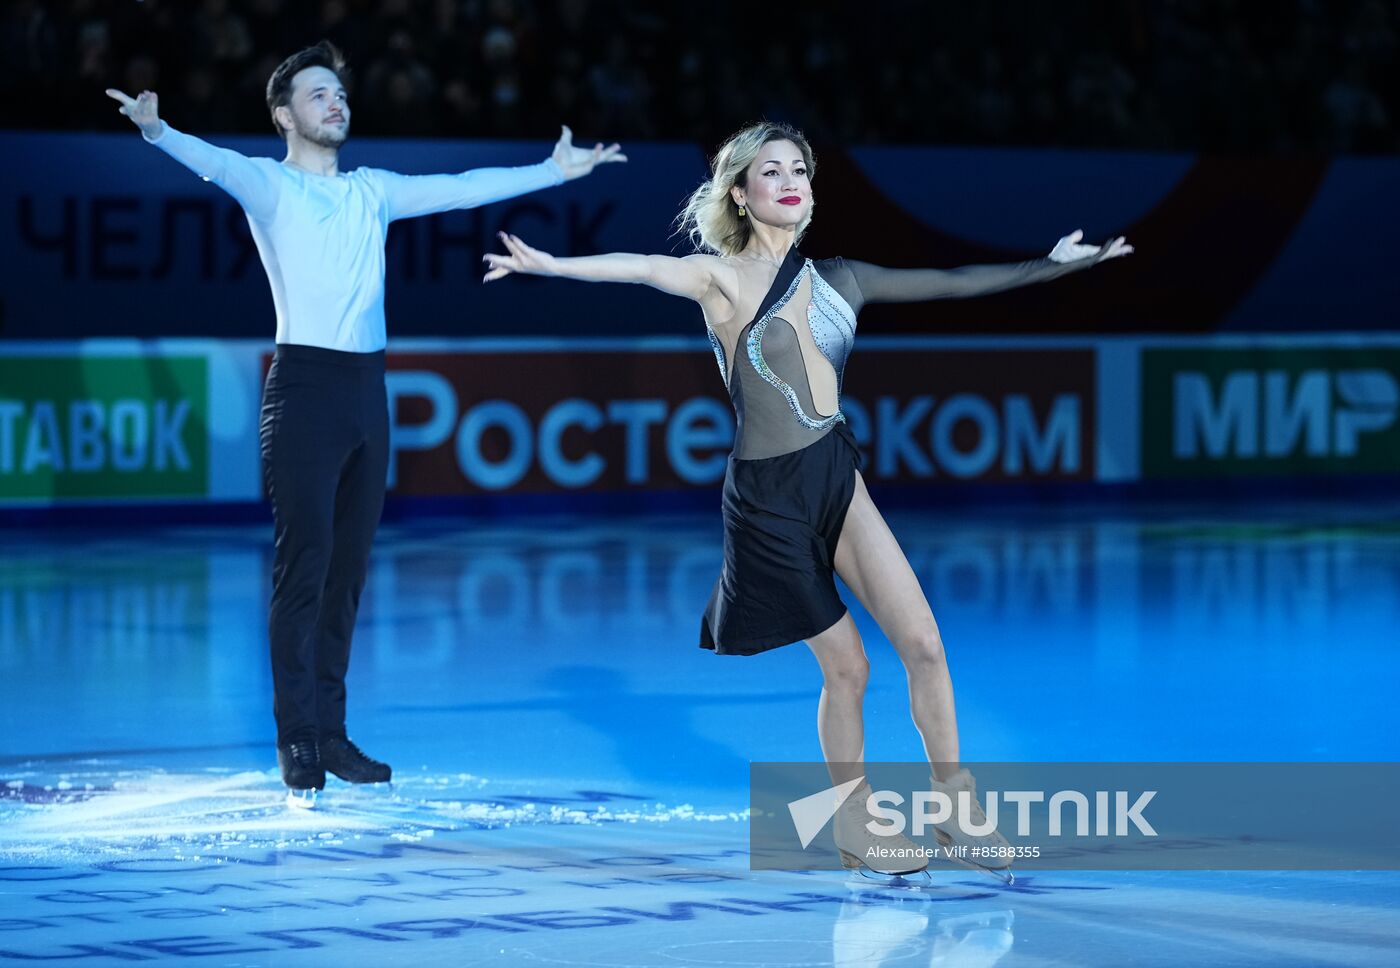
[103, 235]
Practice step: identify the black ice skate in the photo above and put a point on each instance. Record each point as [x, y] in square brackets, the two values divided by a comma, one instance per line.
[300, 762]
[347, 761]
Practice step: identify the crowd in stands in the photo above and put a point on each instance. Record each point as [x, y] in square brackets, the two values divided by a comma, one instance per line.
[1237, 76]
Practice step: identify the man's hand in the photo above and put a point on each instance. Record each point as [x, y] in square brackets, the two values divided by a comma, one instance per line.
[577, 162]
[142, 111]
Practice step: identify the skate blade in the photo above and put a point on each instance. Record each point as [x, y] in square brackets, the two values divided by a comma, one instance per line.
[302, 799]
[911, 878]
[863, 879]
[1004, 877]
[364, 784]
[1001, 875]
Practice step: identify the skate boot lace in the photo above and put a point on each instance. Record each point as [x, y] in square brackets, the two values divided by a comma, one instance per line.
[304, 752]
[978, 816]
[958, 783]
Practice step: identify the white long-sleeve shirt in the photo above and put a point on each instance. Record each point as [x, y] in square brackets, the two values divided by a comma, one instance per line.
[321, 237]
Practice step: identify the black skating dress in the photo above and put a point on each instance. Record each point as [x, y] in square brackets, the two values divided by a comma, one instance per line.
[793, 470]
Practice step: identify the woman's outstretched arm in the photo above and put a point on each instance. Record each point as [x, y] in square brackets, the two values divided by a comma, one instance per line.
[879, 284]
[697, 277]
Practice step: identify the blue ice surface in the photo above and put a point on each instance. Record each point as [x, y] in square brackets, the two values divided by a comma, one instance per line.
[572, 770]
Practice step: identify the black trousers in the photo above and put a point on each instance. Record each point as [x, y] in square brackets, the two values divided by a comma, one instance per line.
[325, 450]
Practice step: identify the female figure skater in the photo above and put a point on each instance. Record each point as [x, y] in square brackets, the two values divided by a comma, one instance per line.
[795, 506]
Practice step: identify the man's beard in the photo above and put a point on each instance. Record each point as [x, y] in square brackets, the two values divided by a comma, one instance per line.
[330, 138]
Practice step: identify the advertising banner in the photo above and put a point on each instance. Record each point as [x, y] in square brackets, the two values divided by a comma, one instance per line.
[653, 419]
[1280, 410]
[92, 422]
[103, 427]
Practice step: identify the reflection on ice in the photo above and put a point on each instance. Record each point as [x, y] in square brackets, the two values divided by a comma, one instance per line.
[891, 926]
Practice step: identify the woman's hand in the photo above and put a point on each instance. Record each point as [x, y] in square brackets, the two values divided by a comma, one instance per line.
[521, 259]
[1069, 249]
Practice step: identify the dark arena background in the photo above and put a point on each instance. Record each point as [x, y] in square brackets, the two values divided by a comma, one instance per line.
[1153, 505]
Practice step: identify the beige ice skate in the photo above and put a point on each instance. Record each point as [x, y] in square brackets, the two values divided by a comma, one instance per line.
[988, 850]
[889, 855]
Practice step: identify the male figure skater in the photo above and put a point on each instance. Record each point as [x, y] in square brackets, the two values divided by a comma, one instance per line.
[324, 423]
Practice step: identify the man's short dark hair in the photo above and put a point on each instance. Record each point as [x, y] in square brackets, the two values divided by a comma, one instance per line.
[279, 85]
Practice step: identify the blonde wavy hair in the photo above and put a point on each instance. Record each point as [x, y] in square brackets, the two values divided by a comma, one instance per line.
[710, 217]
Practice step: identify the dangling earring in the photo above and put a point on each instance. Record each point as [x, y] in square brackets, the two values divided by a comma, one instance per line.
[742, 211]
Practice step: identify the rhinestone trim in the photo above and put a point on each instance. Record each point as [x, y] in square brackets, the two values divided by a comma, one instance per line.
[719, 356]
[833, 325]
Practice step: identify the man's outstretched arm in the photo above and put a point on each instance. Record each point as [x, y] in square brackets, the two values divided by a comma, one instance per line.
[412, 195]
[248, 181]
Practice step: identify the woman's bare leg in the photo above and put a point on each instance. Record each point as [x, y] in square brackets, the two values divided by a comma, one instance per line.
[840, 722]
[870, 561]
